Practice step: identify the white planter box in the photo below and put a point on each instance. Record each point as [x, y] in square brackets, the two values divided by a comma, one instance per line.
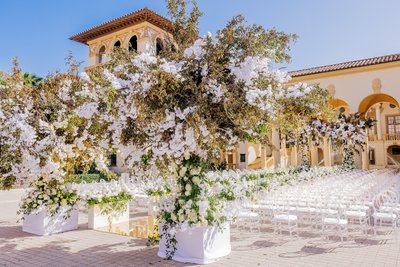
[43, 224]
[200, 245]
[97, 220]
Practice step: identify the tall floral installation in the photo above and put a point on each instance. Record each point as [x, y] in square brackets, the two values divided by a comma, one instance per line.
[174, 113]
[49, 131]
[348, 133]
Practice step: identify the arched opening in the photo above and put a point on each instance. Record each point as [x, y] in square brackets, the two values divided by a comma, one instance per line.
[385, 111]
[371, 100]
[372, 132]
[320, 157]
[159, 46]
[393, 155]
[101, 56]
[113, 160]
[117, 44]
[340, 105]
[133, 43]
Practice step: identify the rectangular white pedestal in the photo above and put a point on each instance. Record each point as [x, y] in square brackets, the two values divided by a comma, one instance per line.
[43, 224]
[97, 220]
[200, 245]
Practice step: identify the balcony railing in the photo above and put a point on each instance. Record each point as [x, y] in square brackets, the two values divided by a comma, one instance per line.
[392, 137]
[386, 137]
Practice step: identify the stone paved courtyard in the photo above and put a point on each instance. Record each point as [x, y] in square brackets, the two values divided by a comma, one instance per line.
[93, 248]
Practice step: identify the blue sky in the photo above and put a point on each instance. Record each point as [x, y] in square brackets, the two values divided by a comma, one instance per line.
[330, 31]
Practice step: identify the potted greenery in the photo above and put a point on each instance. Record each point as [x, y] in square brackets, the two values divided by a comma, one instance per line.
[49, 207]
[108, 205]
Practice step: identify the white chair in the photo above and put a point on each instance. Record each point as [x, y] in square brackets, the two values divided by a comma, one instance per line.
[248, 219]
[386, 216]
[284, 221]
[334, 224]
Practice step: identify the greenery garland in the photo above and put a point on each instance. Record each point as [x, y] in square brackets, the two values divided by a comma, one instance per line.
[111, 206]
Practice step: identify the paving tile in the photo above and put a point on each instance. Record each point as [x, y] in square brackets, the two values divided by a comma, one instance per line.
[93, 248]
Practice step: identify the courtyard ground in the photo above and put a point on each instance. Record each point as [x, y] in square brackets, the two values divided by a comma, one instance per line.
[86, 247]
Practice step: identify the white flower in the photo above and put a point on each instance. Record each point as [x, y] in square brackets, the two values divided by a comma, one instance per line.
[173, 217]
[196, 180]
[188, 187]
[87, 110]
[182, 171]
[195, 171]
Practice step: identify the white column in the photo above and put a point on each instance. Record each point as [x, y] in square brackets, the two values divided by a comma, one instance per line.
[364, 157]
[327, 153]
[294, 157]
[314, 155]
[378, 122]
[276, 142]
[263, 157]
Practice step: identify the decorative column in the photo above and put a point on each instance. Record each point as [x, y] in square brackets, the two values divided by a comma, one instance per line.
[378, 122]
[327, 153]
[294, 157]
[276, 143]
[92, 55]
[364, 157]
[145, 41]
[263, 157]
[314, 155]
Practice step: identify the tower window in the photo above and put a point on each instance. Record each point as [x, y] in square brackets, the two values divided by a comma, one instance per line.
[117, 44]
[102, 55]
[133, 43]
[113, 160]
[159, 46]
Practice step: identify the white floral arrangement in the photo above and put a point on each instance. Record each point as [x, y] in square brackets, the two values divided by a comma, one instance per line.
[210, 199]
[48, 195]
[111, 197]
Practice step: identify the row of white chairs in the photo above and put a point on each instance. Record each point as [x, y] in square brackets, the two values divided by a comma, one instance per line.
[357, 199]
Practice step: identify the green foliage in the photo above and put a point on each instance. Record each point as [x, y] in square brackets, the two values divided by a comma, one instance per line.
[154, 237]
[32, 79]
[111, 206]
[186, 23]
[49, 194]
[121, 197]
[87, 178]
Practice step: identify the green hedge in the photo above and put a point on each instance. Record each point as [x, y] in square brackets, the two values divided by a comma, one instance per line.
[88, 178]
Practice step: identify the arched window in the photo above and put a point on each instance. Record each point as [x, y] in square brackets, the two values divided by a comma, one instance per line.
[159, 46]
[113, 160]
[133, 43]
[117, 44]
[101, 55]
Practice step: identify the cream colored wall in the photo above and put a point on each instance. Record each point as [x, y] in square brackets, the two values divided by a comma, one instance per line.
[354, 87]
[146, 33]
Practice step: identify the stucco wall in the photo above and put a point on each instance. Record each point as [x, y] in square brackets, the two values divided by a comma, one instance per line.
[354, 87]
